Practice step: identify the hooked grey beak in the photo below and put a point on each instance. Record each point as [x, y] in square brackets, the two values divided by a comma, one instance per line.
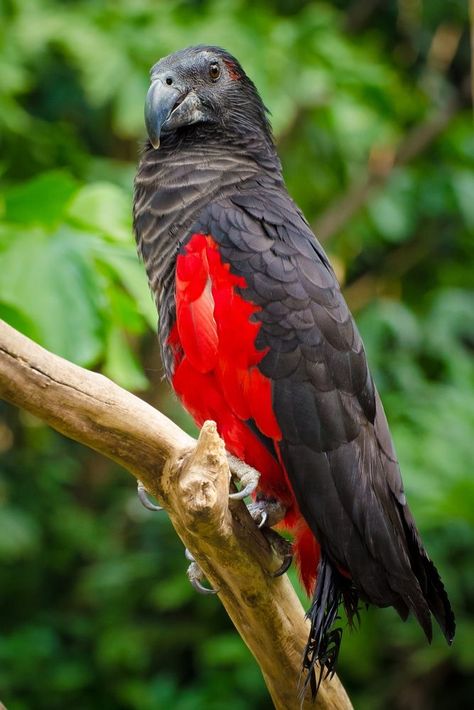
[160, 102]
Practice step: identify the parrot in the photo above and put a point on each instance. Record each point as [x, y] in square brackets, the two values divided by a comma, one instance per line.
[255, 335]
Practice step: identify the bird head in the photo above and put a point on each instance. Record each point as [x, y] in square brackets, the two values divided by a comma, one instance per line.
[205, 88]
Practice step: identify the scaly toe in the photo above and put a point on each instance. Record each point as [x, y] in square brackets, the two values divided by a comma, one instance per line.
[195, 575]
[245, 474]
[266, 511]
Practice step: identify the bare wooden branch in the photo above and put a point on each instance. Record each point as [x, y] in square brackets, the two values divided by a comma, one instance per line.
[192, 481]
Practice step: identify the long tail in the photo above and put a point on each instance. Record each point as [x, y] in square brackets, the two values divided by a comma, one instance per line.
[332, 589]
[324, 641]
[429, 579]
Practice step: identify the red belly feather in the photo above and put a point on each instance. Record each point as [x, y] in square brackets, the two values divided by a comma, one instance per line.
[216, 376]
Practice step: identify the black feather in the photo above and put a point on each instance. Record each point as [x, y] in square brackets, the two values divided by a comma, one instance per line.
[322, 649]
[224, 179]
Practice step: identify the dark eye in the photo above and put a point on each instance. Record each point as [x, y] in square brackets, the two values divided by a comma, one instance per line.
[214, 71]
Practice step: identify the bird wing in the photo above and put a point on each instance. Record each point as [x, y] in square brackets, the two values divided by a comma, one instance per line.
[214, 370]
[335, 444]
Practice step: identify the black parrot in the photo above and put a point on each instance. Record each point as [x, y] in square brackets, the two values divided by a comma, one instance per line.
[256, 335]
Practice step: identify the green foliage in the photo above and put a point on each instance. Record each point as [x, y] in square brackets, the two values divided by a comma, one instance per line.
[97, 610]
[71, 272]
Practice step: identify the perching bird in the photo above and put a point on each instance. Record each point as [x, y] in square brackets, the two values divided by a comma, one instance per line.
[256, 335]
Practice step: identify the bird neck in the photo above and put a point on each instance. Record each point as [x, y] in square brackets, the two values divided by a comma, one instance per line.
[202, 151]
[175, 182]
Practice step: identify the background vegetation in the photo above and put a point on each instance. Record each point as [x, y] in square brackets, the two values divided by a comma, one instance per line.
[370, 105]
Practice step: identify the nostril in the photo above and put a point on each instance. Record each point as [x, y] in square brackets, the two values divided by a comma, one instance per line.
[169, 80]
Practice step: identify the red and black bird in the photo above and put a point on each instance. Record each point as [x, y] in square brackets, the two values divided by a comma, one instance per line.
[256, 335]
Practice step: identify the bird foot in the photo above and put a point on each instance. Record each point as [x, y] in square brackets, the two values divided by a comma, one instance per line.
[283, 549]
[247, 476]
[195, 575]
[266, 511]
[144, 500]
[194, 572]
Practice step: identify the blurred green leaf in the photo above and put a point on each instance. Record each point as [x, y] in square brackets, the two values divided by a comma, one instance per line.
[224, 650]
[120, 363]
[393, 210]
[18, 320]
[36, 267]
[40, 201]
[463, 185]
[131, 273]
[103, 207]
[18, 534]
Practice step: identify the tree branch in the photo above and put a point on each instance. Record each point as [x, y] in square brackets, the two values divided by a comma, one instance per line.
[192, 482]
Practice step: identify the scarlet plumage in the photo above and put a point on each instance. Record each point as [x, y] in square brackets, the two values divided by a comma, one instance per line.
[256, 335]
[216, 377]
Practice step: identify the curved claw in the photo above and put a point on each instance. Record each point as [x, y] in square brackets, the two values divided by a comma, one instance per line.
[195, 575]
[200, 588]
[287, 560]
[263, 519]
[144, 500]
[248, 490]
[282, 547]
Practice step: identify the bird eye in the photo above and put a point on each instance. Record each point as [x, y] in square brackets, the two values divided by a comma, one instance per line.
[214, 71]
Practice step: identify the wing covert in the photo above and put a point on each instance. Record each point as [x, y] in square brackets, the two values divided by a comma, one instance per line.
[335, 441]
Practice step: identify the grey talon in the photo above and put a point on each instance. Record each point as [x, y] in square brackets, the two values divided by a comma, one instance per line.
[247, 476]
[266, 511]
[189, 555]
[248, 490]
[194, 573]
[144, 500]
[200, 588]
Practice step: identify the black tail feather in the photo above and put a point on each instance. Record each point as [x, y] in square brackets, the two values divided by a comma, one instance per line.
[438, 601]
[324, 641]
[429, 579]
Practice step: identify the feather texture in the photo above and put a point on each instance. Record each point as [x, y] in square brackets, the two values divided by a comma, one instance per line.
[255, 334]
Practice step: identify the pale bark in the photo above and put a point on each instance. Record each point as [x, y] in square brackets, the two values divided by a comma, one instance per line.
[191, 479]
